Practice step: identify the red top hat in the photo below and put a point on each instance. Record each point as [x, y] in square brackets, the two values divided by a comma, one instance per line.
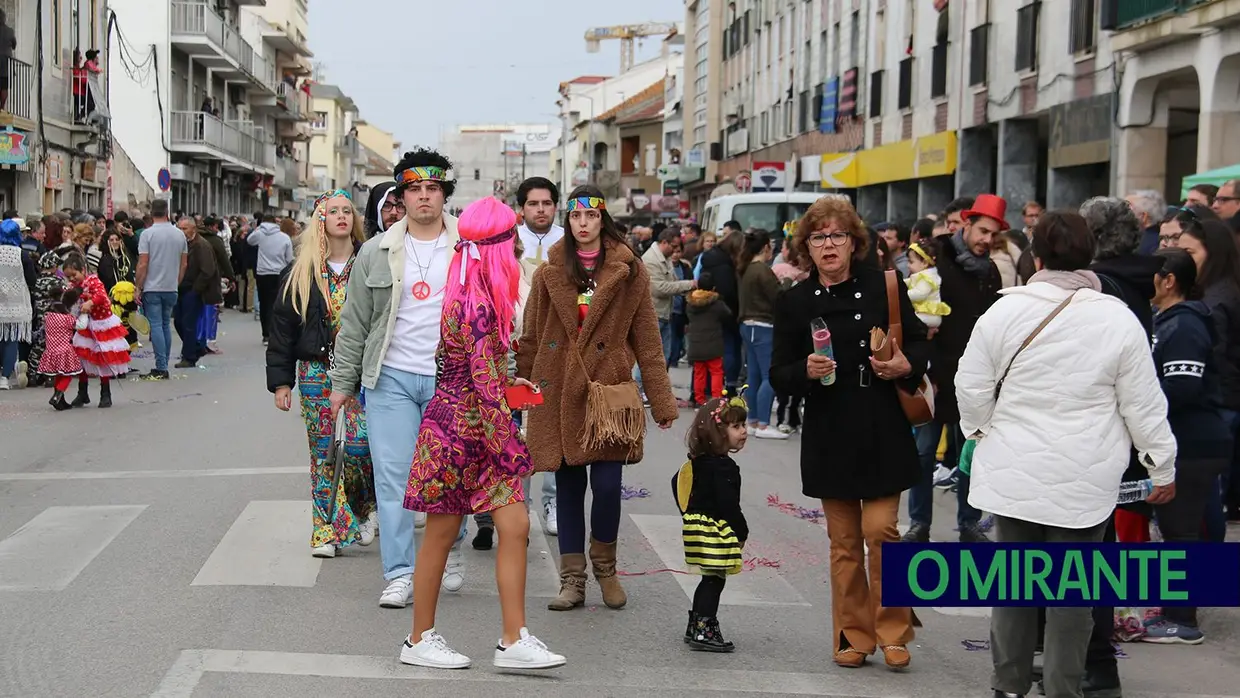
[990, 206]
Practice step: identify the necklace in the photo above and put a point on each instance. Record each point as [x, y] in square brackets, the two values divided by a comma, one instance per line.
[538, 256]
[421, 290]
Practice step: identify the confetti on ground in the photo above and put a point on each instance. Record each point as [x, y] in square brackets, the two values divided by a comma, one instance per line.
[811, 515]
[976, 645]
[170, 399]
[748, 564]
[627, 492]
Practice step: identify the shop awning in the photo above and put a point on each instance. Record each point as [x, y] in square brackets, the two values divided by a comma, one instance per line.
[1216, 177]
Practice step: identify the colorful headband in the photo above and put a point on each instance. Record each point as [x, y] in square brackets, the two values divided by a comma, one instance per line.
[331, 195]
[469, 248]
[426, 173]
[597, 203]
[916, 249]
[725, 401]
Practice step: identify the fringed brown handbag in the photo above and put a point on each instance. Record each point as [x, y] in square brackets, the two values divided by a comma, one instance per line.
[615, 415]
[918, 406]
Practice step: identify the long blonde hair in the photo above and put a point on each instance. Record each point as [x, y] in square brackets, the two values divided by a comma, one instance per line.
[311, 254]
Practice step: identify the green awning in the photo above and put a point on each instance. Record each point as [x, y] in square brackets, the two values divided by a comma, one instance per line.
[1216, 177]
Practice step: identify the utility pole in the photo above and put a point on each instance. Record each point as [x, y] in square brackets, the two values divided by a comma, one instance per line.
[522, 162]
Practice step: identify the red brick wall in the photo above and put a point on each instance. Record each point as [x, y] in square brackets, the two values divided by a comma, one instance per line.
[1029, 94]
[1084, 83]
[980, 102]
[940, 117]
[906, 127]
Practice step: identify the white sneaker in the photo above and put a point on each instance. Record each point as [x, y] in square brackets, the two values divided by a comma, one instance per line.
[398, 594]
[552, 527]
[4, 383]
[527, 653]
[769, 432]
[432, 651]
[454, 572]
[419, 519]
[369, 528]
[786, 429]
[328, 550]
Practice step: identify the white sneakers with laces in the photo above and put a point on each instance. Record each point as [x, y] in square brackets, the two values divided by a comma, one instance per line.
[433, 652]
[769, 432]
[369, 529]
[326, 551]
[399, 593]
[552, 527]
[454, 572]
[527, 653]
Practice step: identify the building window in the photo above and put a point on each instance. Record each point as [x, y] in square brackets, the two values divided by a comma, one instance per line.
[904, 97]
[876, 93]
[75, 22]
[94, 24]
[938, 71]
[854, 43]
[979, 56]
[804, 112]
[58, 39]
[789, 117]
[320, 121]
[1027, 36]
[1084, 26]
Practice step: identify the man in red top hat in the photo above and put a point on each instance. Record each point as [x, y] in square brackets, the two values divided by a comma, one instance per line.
[970, 284]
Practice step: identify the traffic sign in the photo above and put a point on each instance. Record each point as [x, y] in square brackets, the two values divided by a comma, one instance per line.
[164, 179]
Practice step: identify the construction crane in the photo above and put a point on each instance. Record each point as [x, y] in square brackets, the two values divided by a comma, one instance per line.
[627, 33]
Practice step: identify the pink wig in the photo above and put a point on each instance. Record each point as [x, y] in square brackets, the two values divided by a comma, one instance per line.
[492, 274]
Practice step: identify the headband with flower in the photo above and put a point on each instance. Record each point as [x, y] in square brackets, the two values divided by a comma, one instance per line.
[725, 401]
[331, 195]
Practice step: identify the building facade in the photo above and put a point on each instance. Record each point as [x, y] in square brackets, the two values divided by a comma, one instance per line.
[336, 156]
[493, 159]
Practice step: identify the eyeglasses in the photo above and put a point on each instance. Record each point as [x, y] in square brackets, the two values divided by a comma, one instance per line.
[389, 206]
[837, 238]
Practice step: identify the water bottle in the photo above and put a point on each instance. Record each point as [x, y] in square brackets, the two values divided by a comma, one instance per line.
[822, 344]
[1134, 491]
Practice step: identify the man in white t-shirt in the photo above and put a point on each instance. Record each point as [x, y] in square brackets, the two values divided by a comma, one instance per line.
[539, 199]
[388, 337]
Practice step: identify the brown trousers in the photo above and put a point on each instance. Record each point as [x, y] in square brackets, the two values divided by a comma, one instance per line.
[857, 612]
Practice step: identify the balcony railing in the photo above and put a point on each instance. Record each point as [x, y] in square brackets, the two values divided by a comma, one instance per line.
[21, 89]
[349, 146]
[240, 140]
[1132, 12]
[196, 19]
[287, 173]
[293, 100]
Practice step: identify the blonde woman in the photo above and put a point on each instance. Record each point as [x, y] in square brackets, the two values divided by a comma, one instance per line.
[305, 319]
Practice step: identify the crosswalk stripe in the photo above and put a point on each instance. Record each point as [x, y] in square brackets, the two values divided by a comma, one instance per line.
[542, 576]
[268, 545]
[151, 474]
[191, 665]
[760, 587]
[53, 548]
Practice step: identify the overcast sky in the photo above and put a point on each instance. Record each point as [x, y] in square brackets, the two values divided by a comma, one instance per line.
[416, 66]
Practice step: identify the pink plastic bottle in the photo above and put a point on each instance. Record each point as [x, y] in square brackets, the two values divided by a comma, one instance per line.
[822, 344]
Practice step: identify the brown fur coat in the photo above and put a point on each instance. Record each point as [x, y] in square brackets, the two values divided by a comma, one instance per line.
[619, 328]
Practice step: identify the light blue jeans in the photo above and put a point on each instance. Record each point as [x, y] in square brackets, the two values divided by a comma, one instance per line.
[759, 342]
[393, 416]
[157, 306]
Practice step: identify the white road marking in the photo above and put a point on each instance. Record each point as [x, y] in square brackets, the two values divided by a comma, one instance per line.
[760, 587]
[53, 548]
[187, 672]
[143, 474]
[268, 545]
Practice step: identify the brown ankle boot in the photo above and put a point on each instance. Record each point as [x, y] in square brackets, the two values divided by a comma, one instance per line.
[603, 559]
[572, 583]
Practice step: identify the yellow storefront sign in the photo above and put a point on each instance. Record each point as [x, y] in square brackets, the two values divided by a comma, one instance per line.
[930, 156]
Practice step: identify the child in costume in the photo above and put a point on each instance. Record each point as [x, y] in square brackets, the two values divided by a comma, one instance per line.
[101, 345]
[59, 360]
[123, 305]
[925, 284]
[708, 493]
[470, 457]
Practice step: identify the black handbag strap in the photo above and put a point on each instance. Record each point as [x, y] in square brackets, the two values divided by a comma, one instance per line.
[1029, 340]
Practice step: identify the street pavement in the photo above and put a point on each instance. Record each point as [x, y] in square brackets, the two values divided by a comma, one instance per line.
[160, 548]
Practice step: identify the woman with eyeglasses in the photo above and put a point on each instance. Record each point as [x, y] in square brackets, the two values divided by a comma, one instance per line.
[1171, 229]
[1211, 245]
[857, 451]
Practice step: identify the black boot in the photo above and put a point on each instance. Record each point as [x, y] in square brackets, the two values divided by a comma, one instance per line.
[105, 395]
[58, 402]
[689, 628]
[1101, 682]
[707, 637]
[82, 398]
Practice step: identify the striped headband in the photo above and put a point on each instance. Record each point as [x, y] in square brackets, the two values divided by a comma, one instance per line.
[587, 202]
[426, 173]
[331, 195]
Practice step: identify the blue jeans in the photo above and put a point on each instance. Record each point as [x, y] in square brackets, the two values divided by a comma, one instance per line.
[8, 358]
[665, 334]
[921, 496]
[674, 346]
[393, 417]
[732, 346]
[157, 307]
[759, 341]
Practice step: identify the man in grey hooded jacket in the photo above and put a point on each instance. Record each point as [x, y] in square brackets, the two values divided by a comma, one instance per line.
[275, 252]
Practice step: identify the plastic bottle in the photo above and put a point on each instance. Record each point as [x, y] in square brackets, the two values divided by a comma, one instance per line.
[822, 344]
[1134, 491]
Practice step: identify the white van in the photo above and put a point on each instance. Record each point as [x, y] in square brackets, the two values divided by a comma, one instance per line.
[764, 210]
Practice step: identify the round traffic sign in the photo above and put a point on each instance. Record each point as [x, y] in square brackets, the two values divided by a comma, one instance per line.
[165, 179]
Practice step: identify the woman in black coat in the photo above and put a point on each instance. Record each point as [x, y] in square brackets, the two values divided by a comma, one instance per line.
[857, 453]
[720, 261]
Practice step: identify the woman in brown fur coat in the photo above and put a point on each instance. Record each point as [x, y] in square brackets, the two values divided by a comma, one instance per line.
[589, 318]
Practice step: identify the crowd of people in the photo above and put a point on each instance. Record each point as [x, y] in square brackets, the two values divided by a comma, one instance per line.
[439, 363]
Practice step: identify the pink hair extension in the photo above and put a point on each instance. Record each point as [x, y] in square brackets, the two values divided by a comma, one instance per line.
[495, 277]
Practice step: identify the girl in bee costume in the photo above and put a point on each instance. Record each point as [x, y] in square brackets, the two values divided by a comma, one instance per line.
[708, 494]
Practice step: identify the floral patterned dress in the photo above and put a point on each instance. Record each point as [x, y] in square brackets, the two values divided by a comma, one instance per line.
[470, 456]
[355, 499]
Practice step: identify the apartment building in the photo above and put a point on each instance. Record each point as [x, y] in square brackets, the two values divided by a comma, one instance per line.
[1178, 104]
[336, 157]
[56, 157]
[700, 98]
[493, 159]
[281, 27]
[379, 152]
